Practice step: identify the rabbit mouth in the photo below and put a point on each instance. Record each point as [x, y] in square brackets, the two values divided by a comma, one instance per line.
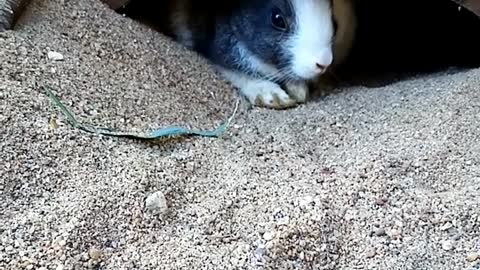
[288, 73]
[307, 75]
[291, 75]
[294, 77]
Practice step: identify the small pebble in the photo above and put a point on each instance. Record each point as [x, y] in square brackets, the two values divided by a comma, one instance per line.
[52, 123]
[447, 245]
[395, 234]
[259, 251]
[268, 236]
[95, 254]
[381, 201]
[156, 202]
[446, 226]
[55, 56]
[305, 202]
[436, 220]
[362, 176]
[380, 232]
[84, 257]
[283, 220]
[22, 50]
[301, 256]
[370, 252]
[473, 256]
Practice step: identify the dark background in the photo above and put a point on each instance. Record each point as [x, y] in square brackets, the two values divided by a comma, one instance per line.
[396, 39]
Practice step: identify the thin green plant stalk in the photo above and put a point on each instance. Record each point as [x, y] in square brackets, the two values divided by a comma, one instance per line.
[155, 134]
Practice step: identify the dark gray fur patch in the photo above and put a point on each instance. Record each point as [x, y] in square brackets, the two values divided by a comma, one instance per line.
[249, 23]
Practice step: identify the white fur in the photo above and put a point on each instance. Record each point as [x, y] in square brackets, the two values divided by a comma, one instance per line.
[260, 92]
[297, 90]
[311, 43]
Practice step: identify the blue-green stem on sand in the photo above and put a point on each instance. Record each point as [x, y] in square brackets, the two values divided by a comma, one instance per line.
[155, 134]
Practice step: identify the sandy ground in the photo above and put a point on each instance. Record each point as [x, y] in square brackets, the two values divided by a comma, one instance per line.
[383, 178]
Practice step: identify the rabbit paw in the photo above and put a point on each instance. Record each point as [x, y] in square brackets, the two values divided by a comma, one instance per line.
[261, 93]
[298, 90]
[269, 95]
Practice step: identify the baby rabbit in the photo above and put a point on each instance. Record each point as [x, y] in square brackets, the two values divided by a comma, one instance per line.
[269, 49]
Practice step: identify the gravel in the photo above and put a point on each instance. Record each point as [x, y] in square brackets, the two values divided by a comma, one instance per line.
[364, 178]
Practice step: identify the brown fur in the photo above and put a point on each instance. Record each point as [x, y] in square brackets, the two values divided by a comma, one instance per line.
[343, 11]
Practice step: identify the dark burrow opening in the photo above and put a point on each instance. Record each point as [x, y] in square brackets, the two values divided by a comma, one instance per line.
[395, 40]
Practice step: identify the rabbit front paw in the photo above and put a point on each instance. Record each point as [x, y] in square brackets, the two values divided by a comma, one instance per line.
[261, 93]
[269, 95]
[297, 90]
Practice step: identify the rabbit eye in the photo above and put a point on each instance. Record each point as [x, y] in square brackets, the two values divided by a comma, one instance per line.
[278, 21]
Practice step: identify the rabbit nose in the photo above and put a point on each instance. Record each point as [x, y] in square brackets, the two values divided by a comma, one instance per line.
[324, 60]
[320, 66]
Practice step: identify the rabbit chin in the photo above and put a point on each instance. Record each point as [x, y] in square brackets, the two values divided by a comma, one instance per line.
[295, 78]
[304, 71]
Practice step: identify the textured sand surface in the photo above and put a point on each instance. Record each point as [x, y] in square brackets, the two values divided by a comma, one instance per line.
[384, 178]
